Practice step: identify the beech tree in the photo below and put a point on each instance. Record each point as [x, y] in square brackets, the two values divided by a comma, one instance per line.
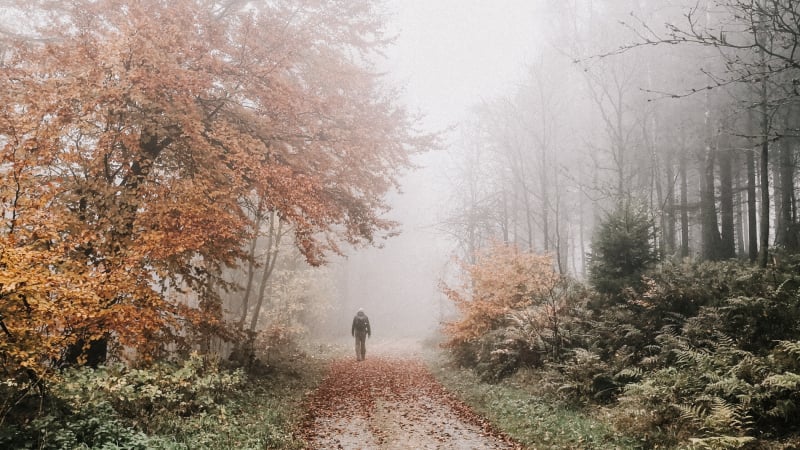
[132, 131]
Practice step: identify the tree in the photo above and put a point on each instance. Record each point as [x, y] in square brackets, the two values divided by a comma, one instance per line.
[133, 130]
[622, 250]
[757, 40]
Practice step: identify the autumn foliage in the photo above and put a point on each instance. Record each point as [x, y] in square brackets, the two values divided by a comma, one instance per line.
[503, 280]
[133, 131]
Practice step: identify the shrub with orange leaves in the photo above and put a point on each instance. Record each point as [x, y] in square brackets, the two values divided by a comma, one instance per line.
[502, 280]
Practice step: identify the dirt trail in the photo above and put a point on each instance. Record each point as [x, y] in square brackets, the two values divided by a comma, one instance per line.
[391, 401]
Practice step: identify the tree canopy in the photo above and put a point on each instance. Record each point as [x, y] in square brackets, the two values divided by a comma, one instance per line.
[134, 131]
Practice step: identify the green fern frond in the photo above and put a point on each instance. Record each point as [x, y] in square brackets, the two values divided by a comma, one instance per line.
[728, 386]
[712, 377]
[780, 286]
[715, 415]
[750, 367]
[693, 358]
[694, 414]
[629, 373]
[791, 348]
[582, 355]
[722, 416]
[650, 361]
[724, 342]
[784, 381]
[670, 331]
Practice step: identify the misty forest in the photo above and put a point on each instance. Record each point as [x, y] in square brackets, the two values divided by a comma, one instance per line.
[571, 224]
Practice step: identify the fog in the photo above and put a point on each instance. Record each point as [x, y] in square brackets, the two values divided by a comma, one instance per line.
[448, 56]
[554, 115]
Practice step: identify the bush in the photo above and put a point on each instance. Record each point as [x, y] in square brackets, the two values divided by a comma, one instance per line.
[118, 407]
[195, 386]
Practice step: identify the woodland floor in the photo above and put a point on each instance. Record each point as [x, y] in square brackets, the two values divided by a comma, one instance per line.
[392, 401]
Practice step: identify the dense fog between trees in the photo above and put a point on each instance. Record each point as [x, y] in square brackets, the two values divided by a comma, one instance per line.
[399, 143]
[561, 113]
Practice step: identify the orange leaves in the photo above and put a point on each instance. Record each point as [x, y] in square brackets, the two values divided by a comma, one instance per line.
[134, 130]
[504, 279]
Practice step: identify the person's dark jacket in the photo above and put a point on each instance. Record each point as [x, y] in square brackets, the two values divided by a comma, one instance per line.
[360, 324]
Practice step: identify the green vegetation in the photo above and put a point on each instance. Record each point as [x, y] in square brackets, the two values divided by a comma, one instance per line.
[521, 407]
[694, 355]
[621, 250]
[192, 405]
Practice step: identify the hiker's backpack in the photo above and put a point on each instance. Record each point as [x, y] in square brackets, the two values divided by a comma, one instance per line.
[361, 324]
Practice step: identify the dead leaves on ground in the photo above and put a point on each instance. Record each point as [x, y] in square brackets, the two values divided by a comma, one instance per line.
[395, 399]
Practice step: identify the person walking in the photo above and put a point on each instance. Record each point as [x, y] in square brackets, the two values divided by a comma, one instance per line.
[360, 330]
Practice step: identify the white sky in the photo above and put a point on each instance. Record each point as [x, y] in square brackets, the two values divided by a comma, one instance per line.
[450, 54]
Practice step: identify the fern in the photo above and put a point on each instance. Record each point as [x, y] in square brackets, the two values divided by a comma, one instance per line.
[729, 386]
[791, 348]
[629, 373]
[715, 415]
[650, 361]
[785, 381]
[583, 356]
[693, 414]
[783, 409]
[652, 348]
[689, 358]
[751, 368]
[721, 442]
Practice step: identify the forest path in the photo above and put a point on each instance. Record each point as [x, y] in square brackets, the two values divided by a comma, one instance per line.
[391, 401]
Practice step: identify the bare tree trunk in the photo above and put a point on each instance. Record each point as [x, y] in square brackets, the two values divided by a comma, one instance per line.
[739, 201]
[708, 209]
[275, 233]
[728, 238]
[560, 254]
[777, 193]
[752, 228]
[582, 226]
[763, 254]
[251, 264]
[505, 221]
[684, 208]
[545, 200]
[669, 208]
[787, 225]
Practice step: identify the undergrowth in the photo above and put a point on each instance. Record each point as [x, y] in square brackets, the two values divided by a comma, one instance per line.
[696, 355]
[532, 417]
[192, 405]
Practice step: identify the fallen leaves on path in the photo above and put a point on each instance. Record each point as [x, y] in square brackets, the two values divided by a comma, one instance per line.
[392, 403]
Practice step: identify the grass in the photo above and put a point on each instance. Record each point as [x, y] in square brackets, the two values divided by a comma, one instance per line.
[534, 421]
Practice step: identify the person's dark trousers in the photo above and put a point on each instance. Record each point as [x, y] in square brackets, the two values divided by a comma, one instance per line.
[361, 347]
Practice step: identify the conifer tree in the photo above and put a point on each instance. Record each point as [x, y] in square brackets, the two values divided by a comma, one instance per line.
[622, 250]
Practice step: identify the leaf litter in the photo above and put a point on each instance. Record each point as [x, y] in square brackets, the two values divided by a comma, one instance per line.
[392, 402]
